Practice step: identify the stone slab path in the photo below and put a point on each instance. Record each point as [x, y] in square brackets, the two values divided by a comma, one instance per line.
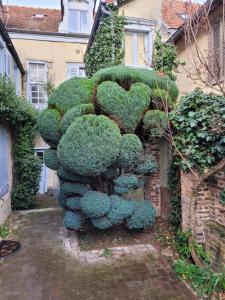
[50, 266]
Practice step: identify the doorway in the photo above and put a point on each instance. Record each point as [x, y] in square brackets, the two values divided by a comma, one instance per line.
[43, 184]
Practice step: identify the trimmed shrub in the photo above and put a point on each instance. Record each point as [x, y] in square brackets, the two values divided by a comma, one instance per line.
[143, 216]
[126, 76]
[51, 160]
[71, 93]
[49, 126]
[156, 122]
[130, 151]
[146, 166]
[95, 147]
[62, 199]
[120, 210]
[69, 188]
[24, 193]
[95, 204]
[65, 175]
[125, 107]
[161, 98]
[101, 223]
[127, 181]
[73, 220]
[73, 203]
[121, 189]
[76, 112]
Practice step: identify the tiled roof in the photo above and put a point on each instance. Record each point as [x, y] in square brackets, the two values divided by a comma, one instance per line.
[173, 10]
[33, 19]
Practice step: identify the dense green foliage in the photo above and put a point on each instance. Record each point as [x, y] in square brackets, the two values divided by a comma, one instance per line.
[70, 188]
[73, 113]
[165, 57]
[155, 122]
[199, 121]
[146, 165]
[66, 175]
[21, 118]
[161, 99]
[130, 151]
[205, 281]
[49, 126]
[73, 220]
[101, 223]
[143, 216]
[127, 107]
[73, 203]
[96, 139]
[51, 160]
[120, 210]
[95, 204]
[107, 48]
[71, 93]
[124, 183]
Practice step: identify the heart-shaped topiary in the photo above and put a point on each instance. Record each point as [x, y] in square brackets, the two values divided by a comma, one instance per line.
[125, 107]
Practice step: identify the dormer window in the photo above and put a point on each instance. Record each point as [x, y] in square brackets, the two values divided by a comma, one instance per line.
[39, 16]
[78, 21]
[183, 16]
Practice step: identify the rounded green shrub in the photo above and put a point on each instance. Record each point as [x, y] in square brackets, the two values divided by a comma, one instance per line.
[95, 145]
[161, 98]
[70, 188]
[49, 126]
[146, 166]
[127, 181]
[73, 203]
[95, 204]
[156, 122]
[101, 223]
[73, 220]
[130, 151]
[51, 160]
[71, 93]
[143, 216]
[125, 107]
[76, 112]
[65, 175]
[62, 199]
[120, 210]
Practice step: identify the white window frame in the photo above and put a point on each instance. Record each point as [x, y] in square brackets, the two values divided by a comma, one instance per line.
[71, 65]
[78, 20]
[4, 161]
[39, 106]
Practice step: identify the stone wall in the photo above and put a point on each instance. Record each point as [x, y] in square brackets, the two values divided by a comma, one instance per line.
[203, 212]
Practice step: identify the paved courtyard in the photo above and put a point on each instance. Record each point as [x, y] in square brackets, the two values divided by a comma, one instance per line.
[50, 266]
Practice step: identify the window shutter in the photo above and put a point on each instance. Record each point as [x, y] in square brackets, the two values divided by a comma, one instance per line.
[216, 50]
[4, 184]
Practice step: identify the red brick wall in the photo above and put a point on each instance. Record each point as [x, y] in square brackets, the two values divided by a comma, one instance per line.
[152, 183]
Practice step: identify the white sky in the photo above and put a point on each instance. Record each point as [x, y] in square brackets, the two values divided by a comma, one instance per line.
[34, 3]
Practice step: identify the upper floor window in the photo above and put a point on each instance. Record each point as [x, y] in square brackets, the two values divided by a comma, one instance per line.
[37, 80]
[138, 48]
[4, 162]
[78, 20]
[75, 70]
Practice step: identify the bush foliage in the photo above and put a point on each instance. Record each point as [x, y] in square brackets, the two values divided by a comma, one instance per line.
[51, 160]
[155, 122]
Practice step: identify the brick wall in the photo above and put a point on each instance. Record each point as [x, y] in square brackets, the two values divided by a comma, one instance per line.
[152, 183]
[202, 211]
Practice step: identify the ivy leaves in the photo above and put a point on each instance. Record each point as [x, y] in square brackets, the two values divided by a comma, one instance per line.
[199, 121]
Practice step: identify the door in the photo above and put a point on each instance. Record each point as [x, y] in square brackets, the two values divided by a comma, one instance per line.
[43, 185]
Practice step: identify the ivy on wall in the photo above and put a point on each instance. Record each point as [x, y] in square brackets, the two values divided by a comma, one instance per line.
[108, 47]
[21, 117]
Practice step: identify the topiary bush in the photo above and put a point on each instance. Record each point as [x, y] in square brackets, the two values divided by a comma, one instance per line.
[155, 122]
[49, 126]
[99, 128]
[130, 151]
[76, 112]
[143, 216]
[74, 220]
[71, 93]
[95, 147]
[95, 204]
[161, 99]
[51, 160]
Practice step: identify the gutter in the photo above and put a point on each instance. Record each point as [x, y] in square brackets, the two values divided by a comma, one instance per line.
[10, 46]
[101, 12]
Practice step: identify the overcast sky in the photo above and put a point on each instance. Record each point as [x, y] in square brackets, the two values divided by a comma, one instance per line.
[35, 3]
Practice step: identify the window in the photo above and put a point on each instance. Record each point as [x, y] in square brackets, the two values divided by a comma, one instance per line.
[78, 20]
[4, 140]
[217, 50]
[137, 49]
[37, 84]
[75, 70]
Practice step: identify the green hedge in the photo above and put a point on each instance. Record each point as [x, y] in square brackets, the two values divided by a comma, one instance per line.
[51, 160]
[69, 188]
